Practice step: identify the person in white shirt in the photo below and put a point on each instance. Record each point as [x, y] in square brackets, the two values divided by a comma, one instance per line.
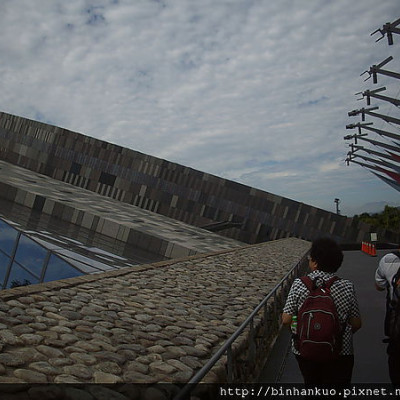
[385, 275]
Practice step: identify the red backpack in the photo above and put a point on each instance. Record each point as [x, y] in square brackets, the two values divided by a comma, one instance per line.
[319, 332]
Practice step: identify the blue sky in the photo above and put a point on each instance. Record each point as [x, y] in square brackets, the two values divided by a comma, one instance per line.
[253, 91]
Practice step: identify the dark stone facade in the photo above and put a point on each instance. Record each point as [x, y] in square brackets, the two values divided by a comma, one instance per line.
[167, 188]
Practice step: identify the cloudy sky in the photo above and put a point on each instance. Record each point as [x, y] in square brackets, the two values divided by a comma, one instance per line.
[253, 91]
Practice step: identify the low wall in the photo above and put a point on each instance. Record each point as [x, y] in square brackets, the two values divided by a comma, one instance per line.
[152, 324]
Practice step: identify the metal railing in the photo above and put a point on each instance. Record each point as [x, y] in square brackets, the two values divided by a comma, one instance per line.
[275, 301]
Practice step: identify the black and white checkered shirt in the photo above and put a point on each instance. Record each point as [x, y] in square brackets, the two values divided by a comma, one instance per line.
[344, 297]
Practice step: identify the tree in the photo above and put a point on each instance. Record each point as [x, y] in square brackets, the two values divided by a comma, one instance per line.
[388, 219]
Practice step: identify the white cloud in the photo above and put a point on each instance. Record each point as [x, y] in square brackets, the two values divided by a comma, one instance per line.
[254, 91]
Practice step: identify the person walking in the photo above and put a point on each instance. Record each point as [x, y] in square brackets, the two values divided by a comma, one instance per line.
[387, 277]
[317, 366]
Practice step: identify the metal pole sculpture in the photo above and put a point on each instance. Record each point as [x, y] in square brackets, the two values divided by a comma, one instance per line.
[377, 69]
[373, 93]
[373, 152]
[394, 175]
[386, 146]
[387, 162]
[368, 111]
[390, 182]
[388, 29]
[378, 131]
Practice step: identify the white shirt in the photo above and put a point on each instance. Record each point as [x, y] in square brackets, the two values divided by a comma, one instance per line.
[387, 269]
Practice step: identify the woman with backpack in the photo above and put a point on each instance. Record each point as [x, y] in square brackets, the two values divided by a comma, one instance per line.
[327, 313]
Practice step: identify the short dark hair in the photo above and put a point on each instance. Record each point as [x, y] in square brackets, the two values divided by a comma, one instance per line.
[327, 254]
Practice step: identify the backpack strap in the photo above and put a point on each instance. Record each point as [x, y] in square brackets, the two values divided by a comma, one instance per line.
[308, 282]
[331, 281]
[395, 285]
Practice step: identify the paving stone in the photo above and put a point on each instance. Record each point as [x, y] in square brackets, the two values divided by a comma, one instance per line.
[67, 338]
[90, 347]
[148, 359]
[15, 303]
[60, 362]
[78, 370]
[12, 360]
[16, 311]
[192, 362]
[106, 378]
[48, 334]
[4, 307]
[30, 339]
[8, 337]
[46, 320]
[50, 352]
[159, 367]
[109, 356]
[109, 367]
[30, 376]
[104, 345]
[28, 354]
[38, 326]
[44, 368]
[84, 328]
[128, 355]
[60, 329]
[20, 329]
[83, 358]
[71, 315]
[137, 366]
[51, 309]
[54, 342]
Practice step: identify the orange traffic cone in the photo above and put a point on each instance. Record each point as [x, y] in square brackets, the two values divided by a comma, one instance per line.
[373, 250]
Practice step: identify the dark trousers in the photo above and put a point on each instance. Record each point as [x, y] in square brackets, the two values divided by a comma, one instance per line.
[336, 372]
[394, 369]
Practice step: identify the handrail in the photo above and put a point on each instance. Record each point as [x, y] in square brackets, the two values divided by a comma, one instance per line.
[227, 345]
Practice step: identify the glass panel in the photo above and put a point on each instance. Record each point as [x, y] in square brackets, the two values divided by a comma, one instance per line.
[20, 277]
[8, 236]
[80, 266]
[106, 253]
[31, 255]
[85, 260]
[4, 263]
[59, 269]
[47, 244]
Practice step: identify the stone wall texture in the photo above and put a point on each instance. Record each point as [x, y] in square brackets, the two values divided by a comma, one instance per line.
[167, 188]
[154, 323]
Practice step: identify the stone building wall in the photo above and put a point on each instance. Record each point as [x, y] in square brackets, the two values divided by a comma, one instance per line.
[152, 324]
[167, 188]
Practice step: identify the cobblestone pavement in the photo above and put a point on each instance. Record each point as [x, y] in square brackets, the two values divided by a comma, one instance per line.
[154, 323]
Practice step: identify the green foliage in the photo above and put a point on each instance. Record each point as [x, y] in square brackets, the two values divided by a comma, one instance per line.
[388, 219]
